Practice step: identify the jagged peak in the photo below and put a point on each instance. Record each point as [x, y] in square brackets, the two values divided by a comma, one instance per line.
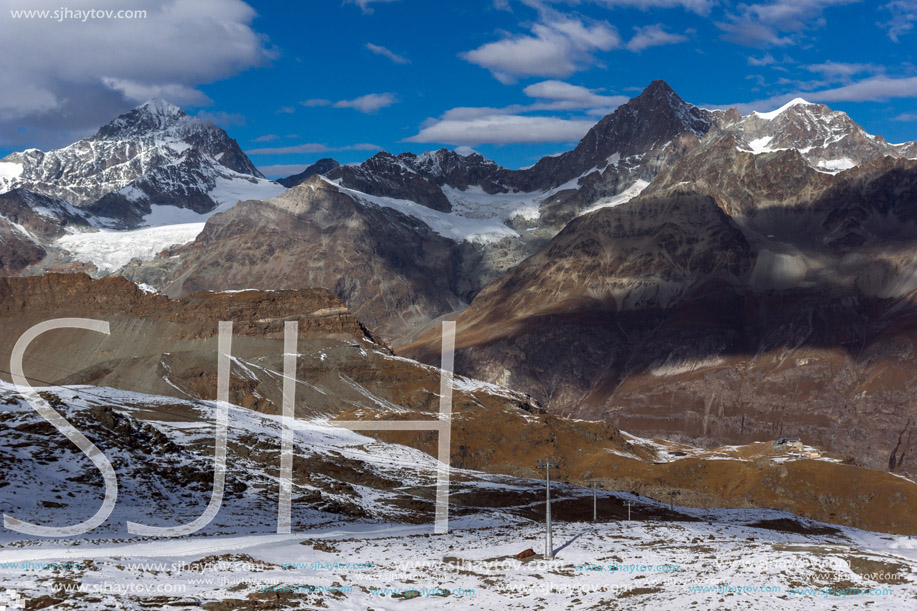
[151, 116]
[658, 92]
[658, 85]
[160, 107]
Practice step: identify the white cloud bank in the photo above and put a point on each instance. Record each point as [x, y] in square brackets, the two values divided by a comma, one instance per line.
[72, 75]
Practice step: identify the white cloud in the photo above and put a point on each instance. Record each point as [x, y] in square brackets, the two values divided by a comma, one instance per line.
[833, 71]
[567, 97]
[872, 89]
[503, 129]
[903, 18]
[469, 125]
[766, 60]
[653, 36]
[465, 151]
[368, 103]
[558, 47]
[906, 116]
[312, 147]
[775, 23]
[266, 138]
[58, 76]
[285, 110]
[380, 50]
[366, 4]
[701, 7]
[141, 92]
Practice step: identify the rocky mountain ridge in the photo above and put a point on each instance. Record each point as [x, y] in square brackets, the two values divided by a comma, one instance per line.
[155, 154]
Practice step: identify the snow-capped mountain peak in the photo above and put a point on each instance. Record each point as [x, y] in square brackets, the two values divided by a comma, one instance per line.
[828, 139]
[148, 119]
[153, 154]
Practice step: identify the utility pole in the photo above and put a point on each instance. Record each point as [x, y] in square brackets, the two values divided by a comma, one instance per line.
[547, 464]
[629, 505]
[672, 496]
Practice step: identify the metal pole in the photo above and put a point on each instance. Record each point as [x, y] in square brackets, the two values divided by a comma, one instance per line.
[629, 505]
[548, 546]
[595, 509]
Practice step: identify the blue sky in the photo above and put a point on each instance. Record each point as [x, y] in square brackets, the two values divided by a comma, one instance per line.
[512, 79]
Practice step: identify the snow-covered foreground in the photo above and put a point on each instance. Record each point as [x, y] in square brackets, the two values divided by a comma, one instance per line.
[347, 553]
[718, 562]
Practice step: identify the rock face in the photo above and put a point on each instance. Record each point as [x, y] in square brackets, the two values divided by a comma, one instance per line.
[740, 297]
[28, 222]
[154, 154]
[420, 178]
[646, 123]
[255, 313]
[40, 215]
[552, 325]
[393, 271]
[322, 166]
[634, 142]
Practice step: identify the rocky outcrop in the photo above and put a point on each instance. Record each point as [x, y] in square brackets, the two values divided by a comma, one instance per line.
[828, 139]
[255, 313]
[391, 270]
[322, 166]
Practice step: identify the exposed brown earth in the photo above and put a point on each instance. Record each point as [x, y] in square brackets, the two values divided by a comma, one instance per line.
[345, 374]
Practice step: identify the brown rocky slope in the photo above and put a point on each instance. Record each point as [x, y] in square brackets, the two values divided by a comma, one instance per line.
[167, 347]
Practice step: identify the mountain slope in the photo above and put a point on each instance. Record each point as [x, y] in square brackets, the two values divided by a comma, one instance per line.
[392, 270]
[796, 319]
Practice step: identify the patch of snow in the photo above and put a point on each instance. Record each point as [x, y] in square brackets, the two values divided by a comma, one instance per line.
[20, 229]
[833, 166]
[230, 190]
[110, 250]
[10, 170]
[759, 145]
[621, 198]
[767, 116]
[449, 225]
[164, 226]
[474, 203]
[678, 368]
